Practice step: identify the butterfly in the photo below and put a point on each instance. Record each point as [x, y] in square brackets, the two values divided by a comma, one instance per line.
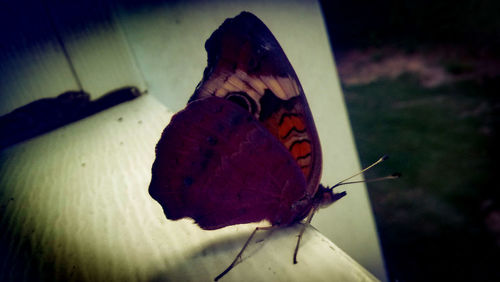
[245, 148]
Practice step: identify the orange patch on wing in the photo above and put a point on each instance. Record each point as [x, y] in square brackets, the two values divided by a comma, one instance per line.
[289, 123]
[301, 152]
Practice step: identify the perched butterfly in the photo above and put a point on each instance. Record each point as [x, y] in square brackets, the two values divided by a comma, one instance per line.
[245, 148]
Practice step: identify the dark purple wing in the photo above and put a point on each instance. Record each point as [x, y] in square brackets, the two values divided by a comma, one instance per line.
[217, 164]
[247, 65]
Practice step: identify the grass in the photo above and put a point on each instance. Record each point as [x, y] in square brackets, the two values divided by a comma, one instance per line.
[431, 221]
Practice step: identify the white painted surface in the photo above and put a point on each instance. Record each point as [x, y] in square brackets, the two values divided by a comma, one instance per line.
[96, 46]
[168, 41]
[32, 63]
[80, 207]
[75, 207]
[49, 48]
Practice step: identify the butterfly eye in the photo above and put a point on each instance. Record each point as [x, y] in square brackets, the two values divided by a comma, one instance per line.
[243, 100]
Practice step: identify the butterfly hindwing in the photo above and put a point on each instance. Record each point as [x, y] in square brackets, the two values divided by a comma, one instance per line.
[213, 160]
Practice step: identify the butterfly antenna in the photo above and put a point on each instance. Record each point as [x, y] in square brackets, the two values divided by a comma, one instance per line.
[381, 159]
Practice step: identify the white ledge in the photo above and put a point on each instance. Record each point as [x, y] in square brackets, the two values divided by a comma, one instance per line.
[75, 207]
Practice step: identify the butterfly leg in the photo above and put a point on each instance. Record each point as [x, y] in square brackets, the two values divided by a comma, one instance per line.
[241, 252]
[308, 221]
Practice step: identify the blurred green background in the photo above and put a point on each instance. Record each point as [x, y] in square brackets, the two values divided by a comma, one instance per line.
[422, 81]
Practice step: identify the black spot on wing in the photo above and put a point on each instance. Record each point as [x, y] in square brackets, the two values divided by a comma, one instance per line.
[243, 100]
[188, 181]
[206, 157]
[269, 104]
[212, 140]
[285, 115]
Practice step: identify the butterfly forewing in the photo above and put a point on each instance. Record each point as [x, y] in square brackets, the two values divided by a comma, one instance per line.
[247, 66]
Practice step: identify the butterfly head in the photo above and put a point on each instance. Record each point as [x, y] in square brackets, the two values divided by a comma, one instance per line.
[325, 196]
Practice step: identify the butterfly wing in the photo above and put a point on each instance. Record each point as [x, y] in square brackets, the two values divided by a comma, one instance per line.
[218, 165]
[247, 66]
